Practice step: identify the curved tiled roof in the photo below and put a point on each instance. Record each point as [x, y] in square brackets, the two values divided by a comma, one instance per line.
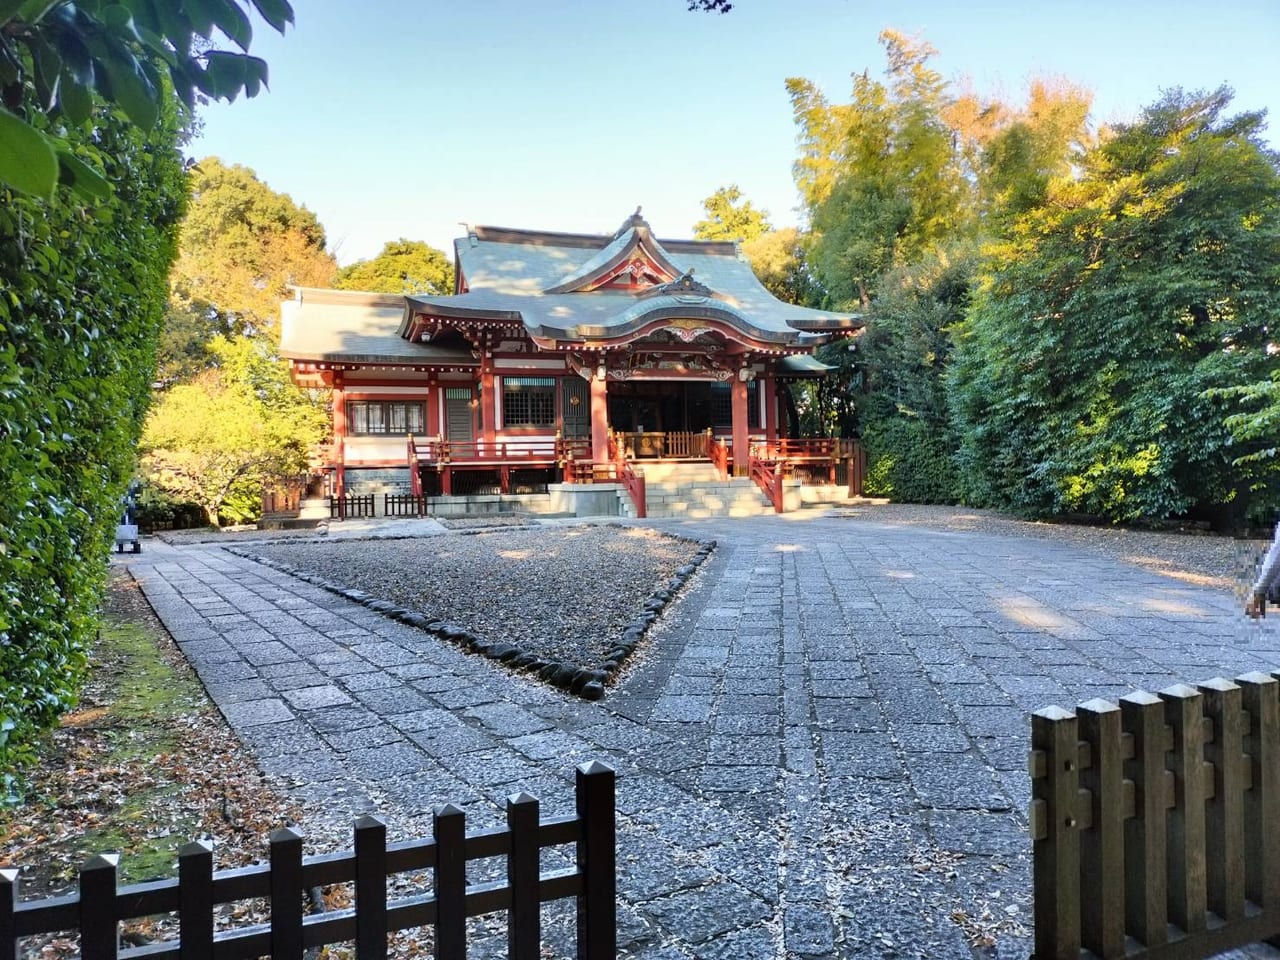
[538, 277]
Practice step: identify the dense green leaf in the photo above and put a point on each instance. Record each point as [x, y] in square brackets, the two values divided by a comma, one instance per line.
[74, 100]
[278, 13]
[27, 159]
[81, 177]
[233, 22]
[131, 87]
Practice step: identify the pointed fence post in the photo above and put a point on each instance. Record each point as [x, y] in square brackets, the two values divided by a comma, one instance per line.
[371, 888]
[8, 906]
[450, 831]
[523, 917]
[99, 938]
[286, 894]
[597, 862]
[195, 901]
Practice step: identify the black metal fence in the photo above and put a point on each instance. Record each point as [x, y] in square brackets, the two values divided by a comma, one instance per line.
[100, 905]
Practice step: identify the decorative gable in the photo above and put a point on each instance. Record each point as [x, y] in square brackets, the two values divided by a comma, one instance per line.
[632, 259]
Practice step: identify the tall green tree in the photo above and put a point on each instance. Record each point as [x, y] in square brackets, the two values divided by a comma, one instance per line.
[1107, 315]
[242, 245]
[403, 266]
[778, 259]
[879, 175]
[231, 429]
[730, 216]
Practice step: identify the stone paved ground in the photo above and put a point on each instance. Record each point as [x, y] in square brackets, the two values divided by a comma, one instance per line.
[821, 754]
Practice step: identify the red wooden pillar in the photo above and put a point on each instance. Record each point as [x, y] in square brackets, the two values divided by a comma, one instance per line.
[738, 396]
[339, 432]
[488, 400]
[432, 426]
[770, 388]
[599, 419]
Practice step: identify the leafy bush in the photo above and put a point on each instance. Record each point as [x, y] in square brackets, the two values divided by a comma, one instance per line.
[84, 294]
[155, 509]
[909, 463]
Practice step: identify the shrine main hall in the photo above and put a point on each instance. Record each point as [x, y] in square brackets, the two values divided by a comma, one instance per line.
[559, 358]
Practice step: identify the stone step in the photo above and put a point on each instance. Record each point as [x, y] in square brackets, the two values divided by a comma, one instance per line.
[314, 508]
[663, 471]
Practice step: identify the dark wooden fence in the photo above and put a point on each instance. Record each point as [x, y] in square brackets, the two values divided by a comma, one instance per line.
[351, 506]
[1156, 822]
[403, 505]
[99, 907]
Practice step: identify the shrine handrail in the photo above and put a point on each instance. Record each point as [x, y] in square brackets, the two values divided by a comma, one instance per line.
[768, 477]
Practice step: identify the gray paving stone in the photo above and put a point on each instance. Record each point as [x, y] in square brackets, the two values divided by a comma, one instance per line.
[507, 720]
[313, 698]
[710, 912]
[251, 713]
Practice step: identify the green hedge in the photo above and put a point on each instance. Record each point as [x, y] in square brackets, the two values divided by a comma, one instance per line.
[907, 462]
[82, 296]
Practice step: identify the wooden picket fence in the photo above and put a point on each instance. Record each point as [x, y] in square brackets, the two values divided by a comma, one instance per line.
[98, 908]
[1156, 822]
[351, 506]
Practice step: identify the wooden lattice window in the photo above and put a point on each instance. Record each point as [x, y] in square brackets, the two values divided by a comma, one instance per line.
[384, 417]
[722, 405]
[528, 401]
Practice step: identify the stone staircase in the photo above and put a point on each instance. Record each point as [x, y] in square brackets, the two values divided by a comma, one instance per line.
[695, 491]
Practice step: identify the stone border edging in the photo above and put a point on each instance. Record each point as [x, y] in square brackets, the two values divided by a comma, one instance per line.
[588, 684]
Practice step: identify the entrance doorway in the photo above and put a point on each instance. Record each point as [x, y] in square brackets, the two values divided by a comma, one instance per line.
[575, 407]
[459, 422]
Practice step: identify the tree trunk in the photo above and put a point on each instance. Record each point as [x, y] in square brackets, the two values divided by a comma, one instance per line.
[793, 415]
[211, 515]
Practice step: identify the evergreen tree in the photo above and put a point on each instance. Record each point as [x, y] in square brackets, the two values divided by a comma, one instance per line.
[1112, 318]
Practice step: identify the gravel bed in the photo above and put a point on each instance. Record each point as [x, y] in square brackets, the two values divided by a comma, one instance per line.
[563, 595]
[485, 523]
[209, 535]
[1192, 556]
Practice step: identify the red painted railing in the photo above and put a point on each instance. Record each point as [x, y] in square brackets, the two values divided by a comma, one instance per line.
[415, 477]
[816, 452]
[768, 477]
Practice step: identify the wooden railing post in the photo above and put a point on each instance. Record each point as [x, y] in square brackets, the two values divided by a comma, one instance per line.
[450, 832]
[597, 863]
[371, 888]
[1183, 712]
[1261, 695]
[1055, 833]
[1102, 844]
[8, 905]
[99, 939]
[1145, 879]
[195, 900]
[524, 929]
[1224, 812]
[286, 893]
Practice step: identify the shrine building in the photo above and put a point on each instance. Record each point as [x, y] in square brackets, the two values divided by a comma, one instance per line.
[562, 358]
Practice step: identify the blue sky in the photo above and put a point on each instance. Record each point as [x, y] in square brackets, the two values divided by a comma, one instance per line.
[394, 118]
